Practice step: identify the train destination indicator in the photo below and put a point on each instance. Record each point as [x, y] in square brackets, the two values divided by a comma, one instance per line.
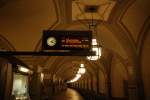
[66, 40]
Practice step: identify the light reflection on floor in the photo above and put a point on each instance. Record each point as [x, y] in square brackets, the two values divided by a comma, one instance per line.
[70, 94]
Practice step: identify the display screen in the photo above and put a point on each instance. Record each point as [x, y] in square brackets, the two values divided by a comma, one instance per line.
[67, 40]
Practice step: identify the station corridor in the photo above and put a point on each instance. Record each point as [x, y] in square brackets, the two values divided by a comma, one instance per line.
[74, 49]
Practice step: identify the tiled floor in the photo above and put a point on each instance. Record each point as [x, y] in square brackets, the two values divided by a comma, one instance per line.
[70, 94]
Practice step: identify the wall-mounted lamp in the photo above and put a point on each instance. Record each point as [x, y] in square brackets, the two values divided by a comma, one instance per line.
[23, 69]
[80, 72]
[42, 77]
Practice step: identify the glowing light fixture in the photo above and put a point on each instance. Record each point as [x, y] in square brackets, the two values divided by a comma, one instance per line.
[94, 42]
[42, 77]
[78, 75]
[23, 69]
[91, 22]
[95, 48]
[81, 70]
[81, 65]
[75, 79]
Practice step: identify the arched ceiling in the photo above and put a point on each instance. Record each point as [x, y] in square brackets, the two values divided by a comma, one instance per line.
[22, 23]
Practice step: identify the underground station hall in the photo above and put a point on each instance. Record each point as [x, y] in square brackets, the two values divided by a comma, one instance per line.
[74, 49]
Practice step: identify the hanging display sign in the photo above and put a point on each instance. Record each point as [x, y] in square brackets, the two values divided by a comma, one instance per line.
[66, 40]
[62, 43]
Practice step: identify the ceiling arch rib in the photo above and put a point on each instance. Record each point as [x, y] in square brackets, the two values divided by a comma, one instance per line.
[70, 73]
[55, 65]
[66, 66]
[5, 44]
[67, 63]
[64, 61]
[73, 69]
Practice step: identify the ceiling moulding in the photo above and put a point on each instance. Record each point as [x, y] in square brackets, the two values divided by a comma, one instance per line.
[100, 10]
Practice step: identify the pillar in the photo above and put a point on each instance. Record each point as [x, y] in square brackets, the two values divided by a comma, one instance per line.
[35, 85]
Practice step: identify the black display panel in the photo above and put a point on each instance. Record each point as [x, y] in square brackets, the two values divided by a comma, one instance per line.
[66, 40]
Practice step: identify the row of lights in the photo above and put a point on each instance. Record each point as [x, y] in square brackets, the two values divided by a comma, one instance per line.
[80, 72]
[82, 69]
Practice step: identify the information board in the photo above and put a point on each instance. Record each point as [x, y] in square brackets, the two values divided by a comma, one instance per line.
[66, 40]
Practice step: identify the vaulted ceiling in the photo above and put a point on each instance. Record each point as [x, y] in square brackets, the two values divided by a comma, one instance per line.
[22, 23]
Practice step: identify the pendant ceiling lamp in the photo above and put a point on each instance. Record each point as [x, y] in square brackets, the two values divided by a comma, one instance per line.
[91, 19]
